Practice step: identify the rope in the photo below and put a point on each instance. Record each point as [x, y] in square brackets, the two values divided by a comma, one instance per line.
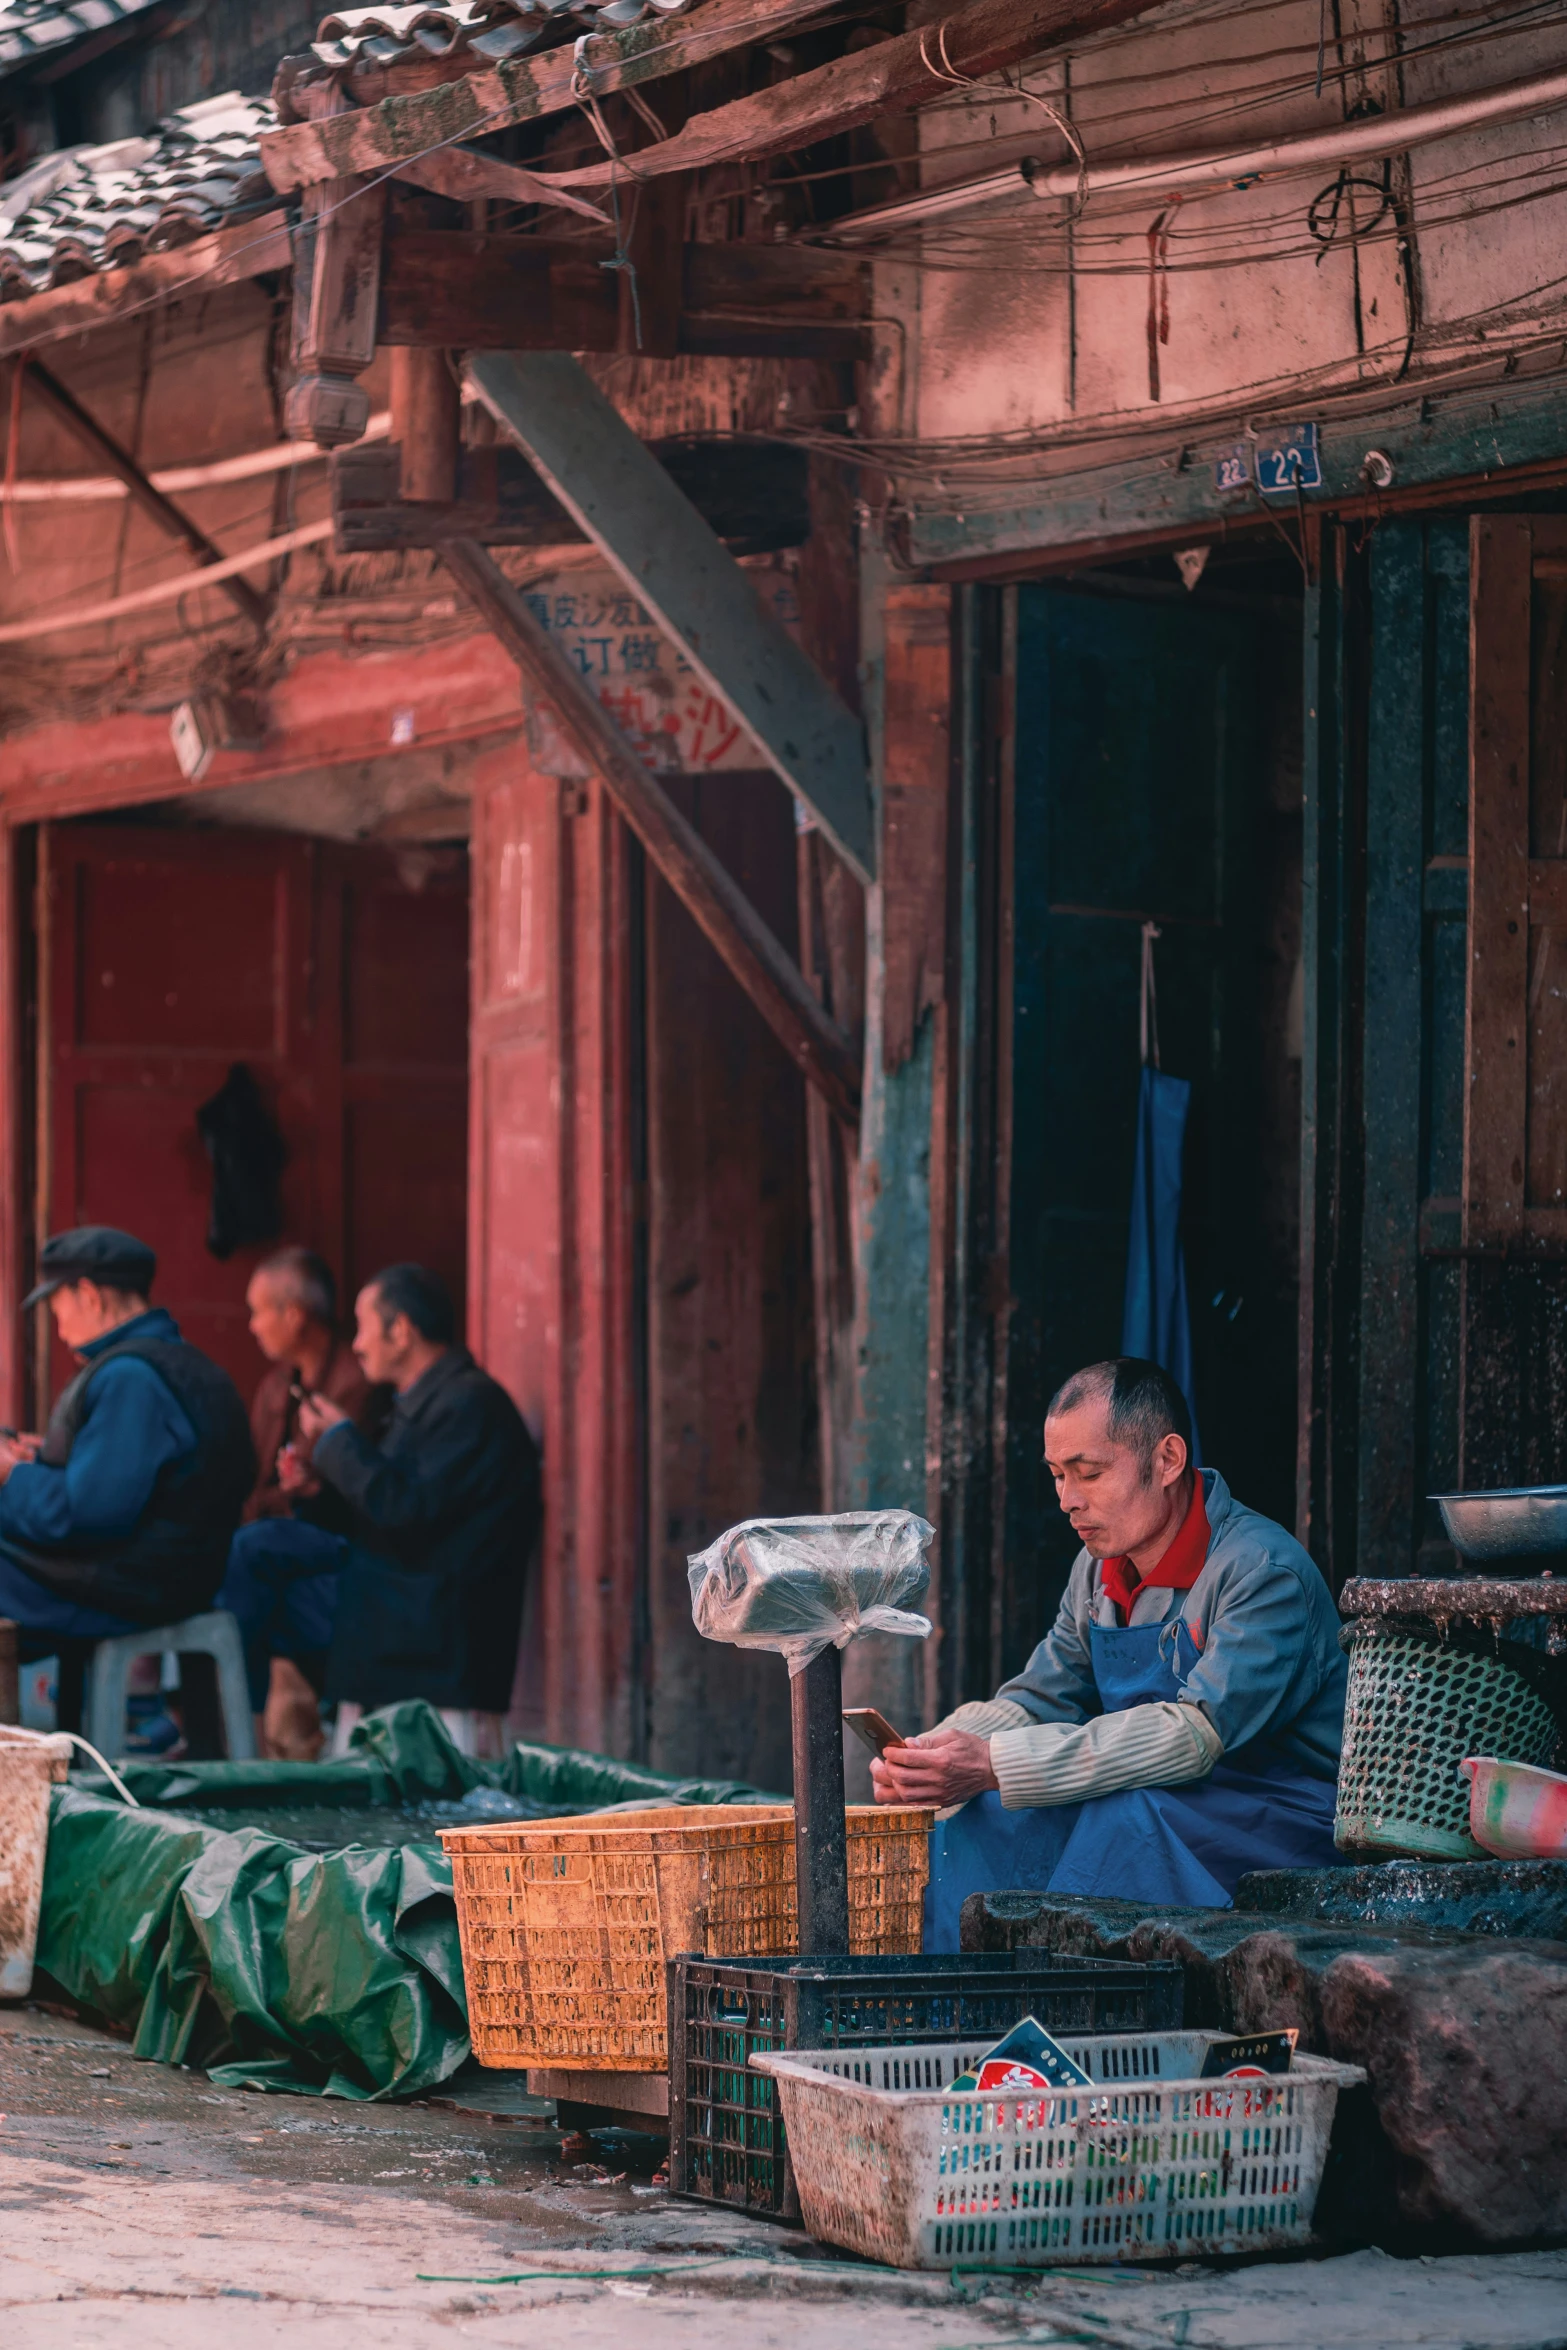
[582, 92]
[107, 1768]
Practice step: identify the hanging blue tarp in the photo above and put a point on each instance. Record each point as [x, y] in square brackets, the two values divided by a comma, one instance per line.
[1156, 1322]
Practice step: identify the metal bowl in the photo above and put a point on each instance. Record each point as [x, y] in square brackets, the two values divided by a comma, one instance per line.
[1519, 1521]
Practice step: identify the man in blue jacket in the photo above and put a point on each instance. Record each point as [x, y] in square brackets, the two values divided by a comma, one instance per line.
[122, 1513]
[1180, 1723]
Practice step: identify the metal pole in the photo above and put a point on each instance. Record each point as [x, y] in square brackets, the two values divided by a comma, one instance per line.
[821, 1842]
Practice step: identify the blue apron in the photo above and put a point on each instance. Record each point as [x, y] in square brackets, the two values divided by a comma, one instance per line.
[1185, 1846]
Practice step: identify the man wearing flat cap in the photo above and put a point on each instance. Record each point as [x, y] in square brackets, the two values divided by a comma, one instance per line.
[122, 1513]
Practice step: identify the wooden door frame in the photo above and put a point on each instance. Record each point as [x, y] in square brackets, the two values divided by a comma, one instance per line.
[15, 1123]
[971, 1162]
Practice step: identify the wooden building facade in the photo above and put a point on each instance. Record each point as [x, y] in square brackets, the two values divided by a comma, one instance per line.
[835, 520]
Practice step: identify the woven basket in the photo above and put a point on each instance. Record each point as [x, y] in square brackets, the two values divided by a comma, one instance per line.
[566, 1926]
[1416, 1706]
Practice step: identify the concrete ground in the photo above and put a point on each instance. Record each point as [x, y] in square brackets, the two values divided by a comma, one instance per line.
[143, 2205]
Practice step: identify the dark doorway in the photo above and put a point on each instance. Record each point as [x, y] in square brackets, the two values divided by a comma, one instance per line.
[1157, 777]
[337, 974]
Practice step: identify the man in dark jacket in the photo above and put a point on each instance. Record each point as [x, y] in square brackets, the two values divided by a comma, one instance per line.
[122, 1513]
[424, 1594]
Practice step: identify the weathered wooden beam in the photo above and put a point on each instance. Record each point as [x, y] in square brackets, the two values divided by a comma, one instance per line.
[64, 406]
[370, 138]
[908, 71]
[754, 494]
[461, 173]
[611, 484]
[454, 289]
[714, 900]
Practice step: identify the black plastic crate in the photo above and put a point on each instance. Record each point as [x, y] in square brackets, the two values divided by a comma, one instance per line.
[726, 2134]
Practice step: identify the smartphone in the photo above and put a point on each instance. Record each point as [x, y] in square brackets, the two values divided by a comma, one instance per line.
[877, 1732]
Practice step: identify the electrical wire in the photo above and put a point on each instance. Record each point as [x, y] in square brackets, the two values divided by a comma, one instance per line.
[1092, 121]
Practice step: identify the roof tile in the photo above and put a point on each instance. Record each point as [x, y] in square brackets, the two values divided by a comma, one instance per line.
[37, 28]
[488, 29]
[91, 208]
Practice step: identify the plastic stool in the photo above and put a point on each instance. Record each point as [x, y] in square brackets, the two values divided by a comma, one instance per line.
[215, 1635]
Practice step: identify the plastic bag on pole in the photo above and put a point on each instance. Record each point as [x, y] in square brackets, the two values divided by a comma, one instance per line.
[799, 1585]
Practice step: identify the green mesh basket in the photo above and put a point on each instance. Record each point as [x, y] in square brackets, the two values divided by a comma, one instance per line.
[1416, 1706]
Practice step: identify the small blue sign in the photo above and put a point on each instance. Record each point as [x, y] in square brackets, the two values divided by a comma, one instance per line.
[1233, 469]
[1291, 464]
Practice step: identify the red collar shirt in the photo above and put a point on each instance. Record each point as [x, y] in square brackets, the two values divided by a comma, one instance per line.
[1123, 1597]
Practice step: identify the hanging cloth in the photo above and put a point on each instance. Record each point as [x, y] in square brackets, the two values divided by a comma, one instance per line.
[247, 1154]
[1156, 1321]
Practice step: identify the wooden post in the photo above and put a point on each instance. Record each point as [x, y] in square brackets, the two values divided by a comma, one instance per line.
[337, 292]
[821, 1835]
[426, 421]
[716, 903]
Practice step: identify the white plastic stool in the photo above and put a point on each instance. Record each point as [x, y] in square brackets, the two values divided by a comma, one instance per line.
[215, 1635]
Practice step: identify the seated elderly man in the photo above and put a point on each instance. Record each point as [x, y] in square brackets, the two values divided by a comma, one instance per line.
[121, 1515]
[292, 1302]
[422, 1595]
[1181, 1722]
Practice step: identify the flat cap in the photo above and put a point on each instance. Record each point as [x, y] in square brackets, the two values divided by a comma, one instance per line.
[93, 1252]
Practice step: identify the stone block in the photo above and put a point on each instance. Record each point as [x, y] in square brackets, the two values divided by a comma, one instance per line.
[1461, 2136]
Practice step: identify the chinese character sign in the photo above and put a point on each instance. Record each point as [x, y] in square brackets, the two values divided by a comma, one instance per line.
[642, 677]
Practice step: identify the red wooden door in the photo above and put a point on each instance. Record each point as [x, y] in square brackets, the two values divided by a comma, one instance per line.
[396, 926]
[172, 956]
[337, 975]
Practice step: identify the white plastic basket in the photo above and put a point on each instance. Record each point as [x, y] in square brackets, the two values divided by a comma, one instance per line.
[891, 2165]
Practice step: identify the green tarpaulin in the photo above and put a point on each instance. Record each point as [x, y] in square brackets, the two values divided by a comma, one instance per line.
[233, 1949]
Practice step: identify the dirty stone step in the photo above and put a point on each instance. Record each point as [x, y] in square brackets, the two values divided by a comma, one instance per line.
[1458, 2139]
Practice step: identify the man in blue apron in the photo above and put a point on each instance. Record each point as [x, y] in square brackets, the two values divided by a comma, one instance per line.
[1181, 1723]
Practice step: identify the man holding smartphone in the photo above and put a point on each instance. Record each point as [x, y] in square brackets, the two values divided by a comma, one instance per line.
[1181, 1722]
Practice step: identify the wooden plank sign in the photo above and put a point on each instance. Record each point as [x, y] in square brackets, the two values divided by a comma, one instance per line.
[673, 720]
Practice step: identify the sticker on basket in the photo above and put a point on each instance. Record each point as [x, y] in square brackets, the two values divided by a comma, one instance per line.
[1026, 2059]
[1251, 2057]
[1241, 2100]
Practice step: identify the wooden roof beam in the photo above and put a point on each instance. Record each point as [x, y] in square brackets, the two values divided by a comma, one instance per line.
[908, 71]
[614, 488]
[895, 76]
[64, 406]
[715, 901]
[403, 127]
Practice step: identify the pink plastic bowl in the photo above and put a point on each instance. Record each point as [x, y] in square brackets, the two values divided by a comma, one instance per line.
[1516, 1811]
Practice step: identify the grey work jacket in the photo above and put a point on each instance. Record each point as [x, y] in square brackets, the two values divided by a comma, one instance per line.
[1269, 1666]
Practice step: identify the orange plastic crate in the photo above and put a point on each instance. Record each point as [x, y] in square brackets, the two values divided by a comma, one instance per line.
[566, 1925]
